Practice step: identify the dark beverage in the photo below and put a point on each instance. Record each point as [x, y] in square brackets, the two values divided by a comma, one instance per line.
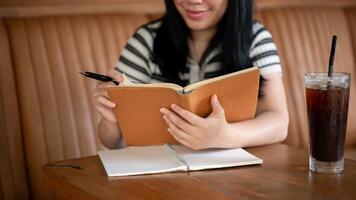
[327, 116]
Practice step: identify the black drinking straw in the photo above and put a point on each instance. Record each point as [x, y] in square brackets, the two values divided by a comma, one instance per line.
[332, 55]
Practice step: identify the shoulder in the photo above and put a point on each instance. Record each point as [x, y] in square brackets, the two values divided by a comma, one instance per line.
[152, 26]
[261, 38]
[257, 27]
[135, 58]
[263, 50]
[142, 39]
[148, 31]
[260, 34]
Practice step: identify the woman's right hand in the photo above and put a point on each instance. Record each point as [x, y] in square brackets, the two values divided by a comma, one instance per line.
[101, 99]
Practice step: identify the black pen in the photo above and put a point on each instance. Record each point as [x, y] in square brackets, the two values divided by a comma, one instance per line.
[99, 77]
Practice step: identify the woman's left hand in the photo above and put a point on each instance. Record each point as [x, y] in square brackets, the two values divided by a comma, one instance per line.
[194, 131]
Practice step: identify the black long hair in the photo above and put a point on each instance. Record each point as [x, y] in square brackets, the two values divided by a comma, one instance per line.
[233, 37]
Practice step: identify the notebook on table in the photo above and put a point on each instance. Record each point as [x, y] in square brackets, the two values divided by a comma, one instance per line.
[136, 160]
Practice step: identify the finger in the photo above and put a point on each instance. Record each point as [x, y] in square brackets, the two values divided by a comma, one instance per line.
[104, 101]
[188, 116]
[178, 121]
[100, 92]
[177, 131]
[118, 77]
[179, 140]
[112, 72]
[218, 110]
[103, 85]
[115, 75]
[106, 113]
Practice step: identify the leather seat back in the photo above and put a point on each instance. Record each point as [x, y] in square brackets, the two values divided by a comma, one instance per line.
[57, 116]
[303, 36]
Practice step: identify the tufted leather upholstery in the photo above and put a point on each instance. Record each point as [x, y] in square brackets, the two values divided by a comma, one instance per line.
[45, 110]
[351, 18]
[57, 118]
[13, 180]
[303, 37]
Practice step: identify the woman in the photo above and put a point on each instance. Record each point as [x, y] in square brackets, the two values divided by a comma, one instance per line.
[196, 40]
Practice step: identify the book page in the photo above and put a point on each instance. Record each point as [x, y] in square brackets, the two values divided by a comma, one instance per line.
[189, 88]
[215, 158]
[140, 160]
[127, 83]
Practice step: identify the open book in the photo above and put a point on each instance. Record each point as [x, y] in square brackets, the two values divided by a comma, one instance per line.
[137, 160]
[137, 105]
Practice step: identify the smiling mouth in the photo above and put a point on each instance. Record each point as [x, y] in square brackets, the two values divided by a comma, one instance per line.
[196, 14]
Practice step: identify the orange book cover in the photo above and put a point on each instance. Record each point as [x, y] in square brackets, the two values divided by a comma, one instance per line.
[137, 105]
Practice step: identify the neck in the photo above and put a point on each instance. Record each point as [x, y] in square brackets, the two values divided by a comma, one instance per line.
[203, 36]
[199, 42]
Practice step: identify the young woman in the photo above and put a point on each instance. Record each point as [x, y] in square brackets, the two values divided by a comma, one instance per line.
[193, 41]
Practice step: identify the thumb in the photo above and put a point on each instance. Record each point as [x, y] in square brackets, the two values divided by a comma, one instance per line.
[218, 110]
[115, 75]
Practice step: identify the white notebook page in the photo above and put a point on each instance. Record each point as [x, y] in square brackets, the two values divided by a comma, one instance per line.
[140, 160]
[215, 158]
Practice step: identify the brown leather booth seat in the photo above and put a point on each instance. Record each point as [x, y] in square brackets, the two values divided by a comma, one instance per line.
[45, 109]
[303, 36]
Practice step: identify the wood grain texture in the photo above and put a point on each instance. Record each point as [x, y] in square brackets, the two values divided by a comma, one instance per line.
[283, 175]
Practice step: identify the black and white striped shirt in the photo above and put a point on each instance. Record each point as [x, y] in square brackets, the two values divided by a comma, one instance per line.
[136, 64]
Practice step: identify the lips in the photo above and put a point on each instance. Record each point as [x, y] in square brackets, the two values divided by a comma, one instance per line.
[196, 14]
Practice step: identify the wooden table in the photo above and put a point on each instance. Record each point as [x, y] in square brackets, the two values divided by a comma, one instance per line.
[283, 175]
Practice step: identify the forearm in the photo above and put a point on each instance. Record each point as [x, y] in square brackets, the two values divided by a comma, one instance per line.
[109, 134]
[267, 128]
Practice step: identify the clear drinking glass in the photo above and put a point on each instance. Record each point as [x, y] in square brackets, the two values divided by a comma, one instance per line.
[327, 101]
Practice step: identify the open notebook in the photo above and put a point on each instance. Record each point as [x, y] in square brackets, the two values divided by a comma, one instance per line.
[137, 160]
[140, 104]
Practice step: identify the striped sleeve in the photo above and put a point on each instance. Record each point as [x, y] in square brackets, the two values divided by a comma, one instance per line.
[263, 51]
[134, 60]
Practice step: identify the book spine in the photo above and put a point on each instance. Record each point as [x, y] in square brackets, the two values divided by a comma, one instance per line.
[185, 102]
[177, 155]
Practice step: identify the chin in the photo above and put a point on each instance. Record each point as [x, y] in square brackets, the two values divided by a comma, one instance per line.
[197, 26]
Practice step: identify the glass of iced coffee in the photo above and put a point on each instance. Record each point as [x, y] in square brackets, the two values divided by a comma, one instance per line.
[327, 99]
